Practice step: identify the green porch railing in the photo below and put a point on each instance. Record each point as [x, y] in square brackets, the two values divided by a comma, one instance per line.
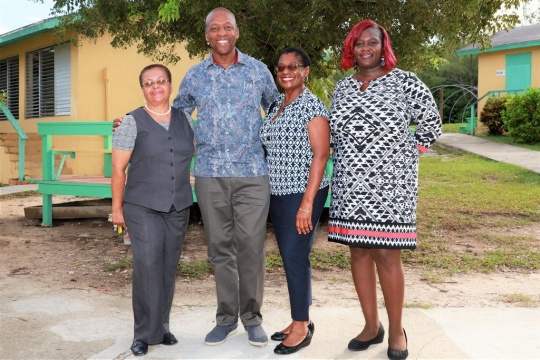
[472, 121]
[22, 138]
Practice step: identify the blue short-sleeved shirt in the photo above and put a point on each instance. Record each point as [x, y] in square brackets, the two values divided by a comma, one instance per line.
[287, 143]
[228, 103]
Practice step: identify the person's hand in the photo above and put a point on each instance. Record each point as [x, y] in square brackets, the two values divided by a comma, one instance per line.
[303, 219]
[117, 218]
[117, 122]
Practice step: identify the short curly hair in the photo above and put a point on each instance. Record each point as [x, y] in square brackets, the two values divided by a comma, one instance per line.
[347, 57]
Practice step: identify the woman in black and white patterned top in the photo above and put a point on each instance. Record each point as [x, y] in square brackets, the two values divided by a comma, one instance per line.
[296, 136]
[375, 178]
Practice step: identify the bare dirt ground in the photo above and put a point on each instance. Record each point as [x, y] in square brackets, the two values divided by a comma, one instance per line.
[75, 254]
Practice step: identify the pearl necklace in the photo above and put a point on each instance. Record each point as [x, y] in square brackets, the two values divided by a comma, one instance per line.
[158, 114]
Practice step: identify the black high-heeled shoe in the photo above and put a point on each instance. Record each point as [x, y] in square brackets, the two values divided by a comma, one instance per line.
[286, 350]
[398, 354]
[359, 345]
[280, 336]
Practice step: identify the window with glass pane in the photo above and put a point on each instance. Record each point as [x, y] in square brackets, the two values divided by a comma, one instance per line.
[9, 82]
[48, 82]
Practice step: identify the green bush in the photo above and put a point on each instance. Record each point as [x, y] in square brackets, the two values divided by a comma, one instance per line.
[522, 116]
[491, 115]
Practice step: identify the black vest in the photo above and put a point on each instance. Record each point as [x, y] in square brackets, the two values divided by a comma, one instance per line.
[158, 174]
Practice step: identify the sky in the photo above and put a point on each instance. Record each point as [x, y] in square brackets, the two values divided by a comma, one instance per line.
[15, 14]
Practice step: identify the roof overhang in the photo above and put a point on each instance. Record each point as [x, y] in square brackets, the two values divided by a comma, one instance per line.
[29, 31]
[475, 51]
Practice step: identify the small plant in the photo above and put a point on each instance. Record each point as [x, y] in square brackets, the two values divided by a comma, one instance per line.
[522, 116]
[124, 263]
[3, 98]
[521, 300]
[491, 115]
[198, 269]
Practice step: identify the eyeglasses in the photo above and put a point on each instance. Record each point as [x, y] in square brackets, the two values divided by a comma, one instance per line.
[151, 83]
[291, 67]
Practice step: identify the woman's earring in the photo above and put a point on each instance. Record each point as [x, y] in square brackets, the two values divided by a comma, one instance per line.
[306, 79]
[383, 63]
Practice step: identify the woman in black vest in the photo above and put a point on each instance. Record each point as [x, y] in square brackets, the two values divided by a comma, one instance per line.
[157, 143]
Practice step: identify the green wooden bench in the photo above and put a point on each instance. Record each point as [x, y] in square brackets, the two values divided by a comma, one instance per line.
[50, 184]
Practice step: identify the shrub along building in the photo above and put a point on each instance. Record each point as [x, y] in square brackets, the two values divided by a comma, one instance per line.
[48, 80]
[510, 65]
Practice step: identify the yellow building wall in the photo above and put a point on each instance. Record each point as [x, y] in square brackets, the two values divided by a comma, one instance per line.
[104, 85]
[489, 63]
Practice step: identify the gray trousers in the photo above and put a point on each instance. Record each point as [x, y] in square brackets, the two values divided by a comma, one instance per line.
[234, 212]
[156, 243]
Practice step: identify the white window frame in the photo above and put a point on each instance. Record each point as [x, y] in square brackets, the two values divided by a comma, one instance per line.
[48, 82]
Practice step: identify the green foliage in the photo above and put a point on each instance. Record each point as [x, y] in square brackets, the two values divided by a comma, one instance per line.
[457, 78]
[491, 115]
[3, 98]
[420, 30]
[522, 116]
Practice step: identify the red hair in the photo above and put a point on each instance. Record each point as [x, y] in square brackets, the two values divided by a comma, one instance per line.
[347, 57]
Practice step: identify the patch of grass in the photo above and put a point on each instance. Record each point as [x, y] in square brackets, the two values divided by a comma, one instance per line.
[273, 261]
[198, 269]
[322, 260]
[418, 305]
[520, 300]
[21, 194]
[452, 128]
[432, 277]
[124, 263]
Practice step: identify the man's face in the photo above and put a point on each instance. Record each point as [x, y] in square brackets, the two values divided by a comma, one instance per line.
[222, 33]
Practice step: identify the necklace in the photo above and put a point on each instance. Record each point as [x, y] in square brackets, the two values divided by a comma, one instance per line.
[156, 113]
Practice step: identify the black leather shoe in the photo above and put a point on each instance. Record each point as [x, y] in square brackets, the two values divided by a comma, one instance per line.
[280, 336]
[286, 350]
[358, 345]
[169, 339]
[398, 354]
[139, 347]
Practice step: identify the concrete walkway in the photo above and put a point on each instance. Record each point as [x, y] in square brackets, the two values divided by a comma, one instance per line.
[525, 158]
[40, 322]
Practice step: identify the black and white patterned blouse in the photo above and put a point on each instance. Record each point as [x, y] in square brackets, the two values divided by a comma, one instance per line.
[286, 139]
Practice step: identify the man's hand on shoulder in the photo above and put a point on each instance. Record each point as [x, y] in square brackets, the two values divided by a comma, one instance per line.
[117, 122]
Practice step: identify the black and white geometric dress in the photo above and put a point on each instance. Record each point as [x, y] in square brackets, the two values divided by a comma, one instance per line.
[375, 177]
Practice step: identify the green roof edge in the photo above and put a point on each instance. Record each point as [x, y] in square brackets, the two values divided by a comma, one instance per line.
[29, 31]
[499, 48]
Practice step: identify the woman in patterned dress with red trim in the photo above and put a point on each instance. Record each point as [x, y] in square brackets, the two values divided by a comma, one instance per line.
[375, 178]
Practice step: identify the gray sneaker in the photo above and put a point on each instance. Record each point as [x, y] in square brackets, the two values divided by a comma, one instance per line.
[219, 334]
[256, 335]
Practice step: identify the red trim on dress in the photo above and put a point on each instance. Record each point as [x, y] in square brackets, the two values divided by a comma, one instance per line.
[371, 233]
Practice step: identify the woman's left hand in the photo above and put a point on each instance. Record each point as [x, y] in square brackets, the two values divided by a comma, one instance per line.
[303, 220]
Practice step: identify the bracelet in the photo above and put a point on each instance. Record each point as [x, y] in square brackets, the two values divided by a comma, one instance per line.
[304, 211]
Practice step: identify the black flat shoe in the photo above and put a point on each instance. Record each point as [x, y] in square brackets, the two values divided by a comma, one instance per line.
[398, 354]
[358, 345]
[280, 336]
[286, 350]
[139, 347]
[169, 339]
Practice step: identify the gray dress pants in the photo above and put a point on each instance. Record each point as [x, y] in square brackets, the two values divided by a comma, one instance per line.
[156, 242]
[234, 212]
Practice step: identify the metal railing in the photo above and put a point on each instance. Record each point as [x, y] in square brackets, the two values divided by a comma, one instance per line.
[22, 138]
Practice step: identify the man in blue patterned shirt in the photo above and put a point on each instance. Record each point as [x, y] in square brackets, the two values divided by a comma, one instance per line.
[228, 89]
